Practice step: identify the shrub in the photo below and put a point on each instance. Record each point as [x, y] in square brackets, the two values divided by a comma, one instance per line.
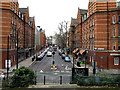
[23, 77]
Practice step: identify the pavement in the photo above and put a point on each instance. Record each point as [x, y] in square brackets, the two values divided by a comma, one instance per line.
[27, 62]
[104, 71]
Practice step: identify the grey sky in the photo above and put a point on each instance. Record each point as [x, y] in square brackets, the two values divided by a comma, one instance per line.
[49, 13]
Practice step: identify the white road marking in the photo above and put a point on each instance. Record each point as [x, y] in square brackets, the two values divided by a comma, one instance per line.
[41, 70]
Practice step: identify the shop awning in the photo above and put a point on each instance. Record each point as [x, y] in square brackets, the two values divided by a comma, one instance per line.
[82, 51]
[75, 50]
[78, 53]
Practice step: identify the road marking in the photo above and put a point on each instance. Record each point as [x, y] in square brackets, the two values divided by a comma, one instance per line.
[57, 71]
[67, 71]
[41, 71]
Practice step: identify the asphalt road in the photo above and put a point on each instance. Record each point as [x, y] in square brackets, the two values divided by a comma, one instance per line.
[52, 75]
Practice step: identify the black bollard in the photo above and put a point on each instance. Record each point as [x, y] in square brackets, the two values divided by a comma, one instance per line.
[60, 79]
[44, 80]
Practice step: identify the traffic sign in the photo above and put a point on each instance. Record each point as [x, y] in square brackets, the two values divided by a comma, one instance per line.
[7, 64]
[53, 66]
[101, 57]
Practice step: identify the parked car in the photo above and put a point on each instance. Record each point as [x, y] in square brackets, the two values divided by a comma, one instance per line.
[63, 56]
[40, 57]
[49, 54]
[67, 59]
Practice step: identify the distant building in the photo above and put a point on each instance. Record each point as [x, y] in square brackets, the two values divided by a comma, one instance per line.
[43, 38]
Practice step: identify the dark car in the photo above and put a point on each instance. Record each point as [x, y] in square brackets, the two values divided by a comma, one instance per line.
[40, 57]
[63, 56]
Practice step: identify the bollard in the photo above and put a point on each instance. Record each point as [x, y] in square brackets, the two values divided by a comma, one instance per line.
[44, 80]
[60, 79]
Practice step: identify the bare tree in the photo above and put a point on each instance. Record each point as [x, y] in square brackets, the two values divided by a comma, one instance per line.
[61, 36]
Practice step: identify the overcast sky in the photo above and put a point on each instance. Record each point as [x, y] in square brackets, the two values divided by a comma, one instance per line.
[49, 13]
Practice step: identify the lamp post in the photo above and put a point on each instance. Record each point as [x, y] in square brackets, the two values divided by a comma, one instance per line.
[17, 51]
[107, 36]
[8, 56]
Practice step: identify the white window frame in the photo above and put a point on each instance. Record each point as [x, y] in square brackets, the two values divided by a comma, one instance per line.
[113, 19]
[116, 58]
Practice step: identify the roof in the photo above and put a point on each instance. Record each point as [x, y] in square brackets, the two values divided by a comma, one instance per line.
[83, 11]
[23, 10]
[73, 22]
[31, 18]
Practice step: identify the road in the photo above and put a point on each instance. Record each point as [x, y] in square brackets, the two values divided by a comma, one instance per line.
[43, 68]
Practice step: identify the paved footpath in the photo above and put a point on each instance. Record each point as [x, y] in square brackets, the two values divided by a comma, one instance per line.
[27, 62]
[105, 71]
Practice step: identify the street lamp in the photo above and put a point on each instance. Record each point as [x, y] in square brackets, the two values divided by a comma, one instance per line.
[8, 56]
[17, 51]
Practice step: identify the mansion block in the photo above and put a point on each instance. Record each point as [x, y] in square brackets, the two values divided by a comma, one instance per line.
[16, 24]
[97, 31]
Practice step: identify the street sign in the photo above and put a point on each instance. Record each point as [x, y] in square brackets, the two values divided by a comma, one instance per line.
[9, 63]
[53, 66]
[101, 57]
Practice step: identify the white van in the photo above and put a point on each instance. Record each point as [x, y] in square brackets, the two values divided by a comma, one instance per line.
[49, 54]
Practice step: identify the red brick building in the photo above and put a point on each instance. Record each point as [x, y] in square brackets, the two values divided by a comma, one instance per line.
[100, 33]
[15, 21]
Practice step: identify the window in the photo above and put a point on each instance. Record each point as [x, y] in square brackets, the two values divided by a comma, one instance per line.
[90, 45]
[15, 8]
[114, 45]
[90, 23]
[119, 44]
[12, 29]
[93, 21]
[14, 58]
[113, 32]
[119, 18]
[113, 19]
[85, 35]
[93, 8]
[93, 44]
[90, 34]
[90, 59]
[19, 14]
[90, 10]
[12, 19]
[12, 44]
[118, 30]
[116, 61]
[93, 32]
[87, 25]
[11, 58]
